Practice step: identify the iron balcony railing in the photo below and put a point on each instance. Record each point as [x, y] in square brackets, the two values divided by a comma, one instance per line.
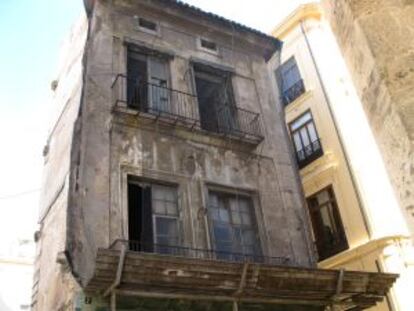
[182, 108]
[293, 92]
[197, 253]
[309, 153]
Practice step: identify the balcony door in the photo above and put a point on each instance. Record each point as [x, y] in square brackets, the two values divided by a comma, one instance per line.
[147, 86]
[215, 100]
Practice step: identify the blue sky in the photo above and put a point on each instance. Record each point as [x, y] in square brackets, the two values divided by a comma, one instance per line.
[31, 32]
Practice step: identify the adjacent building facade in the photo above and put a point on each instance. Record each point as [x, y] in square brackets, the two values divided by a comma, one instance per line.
[169, 180]
[356, 217]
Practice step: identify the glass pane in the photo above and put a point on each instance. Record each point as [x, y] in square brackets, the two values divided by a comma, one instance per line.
[244, 205]
[166, 226]
[213, 199]
[171, 208]
[222, 233]
[214, 212]
[329, 227]
[249, 237]
[235, 217]
[158, 192]
[297, 141]
[305, 137]
[158, 207]
[312, 132]
[323, 197]
[224, 214]
[246, 219]
[301, 121]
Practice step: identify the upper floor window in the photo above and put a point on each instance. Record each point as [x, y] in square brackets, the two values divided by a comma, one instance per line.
[234, 228]
[290, 81]
[305, 139]
[326, 222]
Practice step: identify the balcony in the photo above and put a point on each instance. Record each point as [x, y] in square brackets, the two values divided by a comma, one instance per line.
[293, 92]
[309, 153]
[169, 106]
[126, 269]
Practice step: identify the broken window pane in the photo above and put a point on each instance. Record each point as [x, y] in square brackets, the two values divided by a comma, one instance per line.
[234, 226]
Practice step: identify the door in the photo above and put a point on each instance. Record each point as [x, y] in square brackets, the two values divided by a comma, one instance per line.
[158, 86]
[136, 80]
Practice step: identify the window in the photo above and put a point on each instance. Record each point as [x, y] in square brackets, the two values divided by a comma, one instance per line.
[290, 81]
[326, 222]
[153, 218]
[233, 226]
[305, 139]
[215, 100]
[208, 45]
[145, 23]
[147, 86]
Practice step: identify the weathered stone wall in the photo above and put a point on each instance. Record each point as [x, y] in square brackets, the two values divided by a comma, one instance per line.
[112, 145]
[54, 284]
[377, 40]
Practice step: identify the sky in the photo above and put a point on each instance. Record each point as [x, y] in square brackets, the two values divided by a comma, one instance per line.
[32, 32]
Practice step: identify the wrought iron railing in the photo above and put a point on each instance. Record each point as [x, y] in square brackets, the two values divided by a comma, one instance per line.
[197, 253]
[293, 92]
[309, 153]
[182, 108]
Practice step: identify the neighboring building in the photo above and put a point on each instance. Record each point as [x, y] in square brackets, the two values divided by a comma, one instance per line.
[376, 41]
[16, 275]
[169, 181]
[356, 219]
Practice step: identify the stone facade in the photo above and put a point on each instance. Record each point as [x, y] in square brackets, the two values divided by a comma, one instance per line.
[95, 145]
[376, 39]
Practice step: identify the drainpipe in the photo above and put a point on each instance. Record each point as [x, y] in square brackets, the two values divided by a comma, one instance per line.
[365, 217]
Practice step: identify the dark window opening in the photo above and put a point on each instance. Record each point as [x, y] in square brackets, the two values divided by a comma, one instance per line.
[147, 83]
[215, 101]
[145, 23]
[234, 227]
[290, 81]
[153, 221]
[209, 45]
[327, 225]
[305, 140]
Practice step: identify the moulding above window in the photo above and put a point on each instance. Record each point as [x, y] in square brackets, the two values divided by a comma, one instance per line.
[211, 65]
[304, 11]
[142, 47]
[220, 187]
[295, 105]
[326, 164]
[147, 25]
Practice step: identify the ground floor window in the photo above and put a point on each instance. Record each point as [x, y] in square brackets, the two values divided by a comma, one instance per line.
[153, 218]
[326, 222]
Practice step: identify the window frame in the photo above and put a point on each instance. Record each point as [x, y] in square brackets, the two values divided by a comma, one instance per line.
[332, 204]
[200, 46]
[143, 182]
[318, 152]
[139, 27]
[235, 254]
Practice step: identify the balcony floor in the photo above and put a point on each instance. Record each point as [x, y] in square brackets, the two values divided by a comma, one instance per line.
[167, 277]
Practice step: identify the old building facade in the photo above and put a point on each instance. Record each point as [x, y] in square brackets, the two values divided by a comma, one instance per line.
[169, 180]
[357, 219]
